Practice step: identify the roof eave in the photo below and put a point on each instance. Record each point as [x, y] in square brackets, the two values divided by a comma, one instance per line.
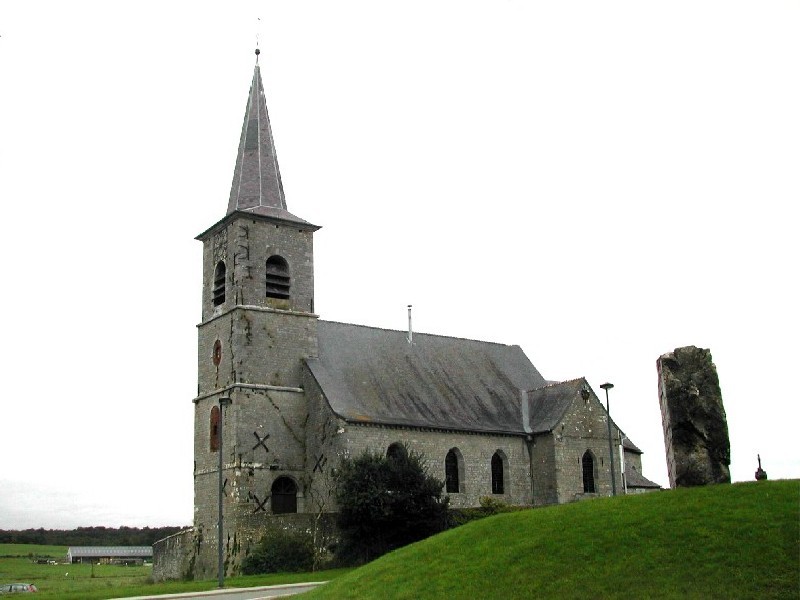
[414, 425]
[299, 224]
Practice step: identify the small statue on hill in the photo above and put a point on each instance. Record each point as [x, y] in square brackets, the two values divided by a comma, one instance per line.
[761, 474]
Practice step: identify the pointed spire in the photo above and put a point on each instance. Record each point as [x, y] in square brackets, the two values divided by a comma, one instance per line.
[257, 185]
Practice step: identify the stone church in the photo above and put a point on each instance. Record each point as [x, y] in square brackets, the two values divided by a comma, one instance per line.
[304, 392]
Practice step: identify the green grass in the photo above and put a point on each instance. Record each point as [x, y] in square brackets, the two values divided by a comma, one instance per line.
[724, 541]
[81, 582]
[54, 552]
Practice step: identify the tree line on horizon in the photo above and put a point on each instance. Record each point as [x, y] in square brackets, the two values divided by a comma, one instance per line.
[88, 536]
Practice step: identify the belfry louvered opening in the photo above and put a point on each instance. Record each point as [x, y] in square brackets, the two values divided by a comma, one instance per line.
[218, 291]
[277, 277]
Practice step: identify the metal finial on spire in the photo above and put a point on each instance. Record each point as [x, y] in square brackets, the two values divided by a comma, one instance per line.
[257, 53]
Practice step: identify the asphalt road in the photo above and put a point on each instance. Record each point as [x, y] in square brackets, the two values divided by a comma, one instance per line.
[256, 593]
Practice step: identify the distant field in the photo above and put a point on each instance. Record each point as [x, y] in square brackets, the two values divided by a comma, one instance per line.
[56, 581]
[57, 552]
[82, 582]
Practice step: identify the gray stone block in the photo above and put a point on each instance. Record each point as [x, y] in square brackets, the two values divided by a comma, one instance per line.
[695, 426]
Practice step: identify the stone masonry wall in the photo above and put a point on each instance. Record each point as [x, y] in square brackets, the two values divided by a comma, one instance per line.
[172, 556]
[251, 349]
[263, 438]
[245, 244]
[260, 346]
[584, 427]
[192, 554]
[325, 446]
[476, 451]
[545, 483]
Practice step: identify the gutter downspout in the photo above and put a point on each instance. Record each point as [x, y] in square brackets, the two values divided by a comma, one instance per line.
[526, 426]
[622, 464]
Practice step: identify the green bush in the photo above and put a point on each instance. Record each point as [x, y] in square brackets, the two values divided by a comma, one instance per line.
[385, 503]
[280, 552]
[489, 506]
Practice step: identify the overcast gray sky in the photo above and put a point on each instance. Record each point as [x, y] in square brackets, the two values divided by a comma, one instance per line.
[598, 182]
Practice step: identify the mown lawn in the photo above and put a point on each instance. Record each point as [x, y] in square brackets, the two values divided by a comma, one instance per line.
[725, 541]
[54, 552]
[84, 582]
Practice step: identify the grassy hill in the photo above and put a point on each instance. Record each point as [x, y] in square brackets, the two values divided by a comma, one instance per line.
[724, 541]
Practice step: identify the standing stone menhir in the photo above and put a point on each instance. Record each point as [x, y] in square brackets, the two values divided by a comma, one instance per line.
[695, 427]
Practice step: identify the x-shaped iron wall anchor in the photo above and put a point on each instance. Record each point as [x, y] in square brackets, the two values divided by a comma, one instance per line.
[261, 441]
[320, 463]
[260, 506]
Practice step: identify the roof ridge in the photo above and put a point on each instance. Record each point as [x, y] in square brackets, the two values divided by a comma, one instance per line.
[555, 383]
[419, 333]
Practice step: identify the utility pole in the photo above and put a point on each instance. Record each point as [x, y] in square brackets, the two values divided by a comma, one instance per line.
[606, 387]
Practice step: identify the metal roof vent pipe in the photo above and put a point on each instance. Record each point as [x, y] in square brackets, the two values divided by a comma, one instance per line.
[410, 337]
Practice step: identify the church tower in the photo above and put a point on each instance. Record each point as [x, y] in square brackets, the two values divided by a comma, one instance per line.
[258, 324]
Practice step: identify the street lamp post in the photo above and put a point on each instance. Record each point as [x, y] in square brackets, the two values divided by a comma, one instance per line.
[606, 387]
[223, 402]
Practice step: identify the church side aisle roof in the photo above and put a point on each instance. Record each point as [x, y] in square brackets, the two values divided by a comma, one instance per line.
[373, 375]
[634, 479]
[548, 404]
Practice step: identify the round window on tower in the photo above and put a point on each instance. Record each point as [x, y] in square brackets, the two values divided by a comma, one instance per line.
[216, 356]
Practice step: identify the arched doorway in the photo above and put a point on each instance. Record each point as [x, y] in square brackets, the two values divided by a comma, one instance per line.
[284, 496]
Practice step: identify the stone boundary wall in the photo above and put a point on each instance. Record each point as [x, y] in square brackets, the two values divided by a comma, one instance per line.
[197, 553]
[172, 556]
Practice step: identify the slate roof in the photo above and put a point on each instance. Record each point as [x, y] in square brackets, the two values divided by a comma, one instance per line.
[372, 375]
[547, 405]
[256, 177]
[634, 479]
[257, 188]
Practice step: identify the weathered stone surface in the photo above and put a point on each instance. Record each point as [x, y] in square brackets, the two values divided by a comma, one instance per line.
[695, 426]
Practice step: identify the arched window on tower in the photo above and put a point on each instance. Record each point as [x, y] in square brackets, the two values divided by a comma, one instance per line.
[218, 291]
[453, 470]
[277, 277]
[284, 496]
[587, 462]
[213, 429]
[498, 482]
